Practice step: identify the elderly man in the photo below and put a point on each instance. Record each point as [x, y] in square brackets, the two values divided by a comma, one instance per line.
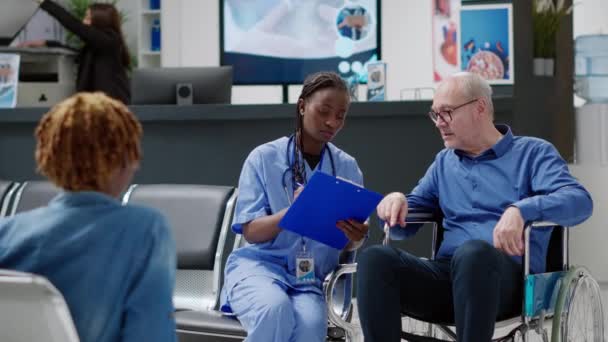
[487, 183]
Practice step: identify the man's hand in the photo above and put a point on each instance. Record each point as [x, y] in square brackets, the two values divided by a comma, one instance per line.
[509, 232]
[393, 209]
[355, 231]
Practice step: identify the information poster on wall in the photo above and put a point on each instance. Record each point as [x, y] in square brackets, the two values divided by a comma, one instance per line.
[9, 79]
[376, 81]
[445, 38]
[486, 42]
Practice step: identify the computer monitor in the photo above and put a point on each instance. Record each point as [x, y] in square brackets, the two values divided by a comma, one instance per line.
[159, 85]
[14, 14]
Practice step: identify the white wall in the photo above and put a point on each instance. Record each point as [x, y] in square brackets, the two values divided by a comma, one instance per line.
[590, 17]
[588, 241]
[129, 7]
[191, 38]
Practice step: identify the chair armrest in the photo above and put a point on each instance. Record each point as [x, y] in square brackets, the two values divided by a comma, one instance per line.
[329, 286]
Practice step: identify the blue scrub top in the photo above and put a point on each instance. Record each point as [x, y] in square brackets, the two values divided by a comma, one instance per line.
[262, 192]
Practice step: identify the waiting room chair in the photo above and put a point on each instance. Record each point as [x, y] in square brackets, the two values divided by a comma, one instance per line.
[7, 189]
[32, 309]
[33, 194]
[199, 216]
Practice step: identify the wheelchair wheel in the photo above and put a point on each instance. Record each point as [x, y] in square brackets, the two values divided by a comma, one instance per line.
[579, 314]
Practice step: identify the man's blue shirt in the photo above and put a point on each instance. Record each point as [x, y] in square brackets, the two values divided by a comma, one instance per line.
[114, 264]
[473, 193]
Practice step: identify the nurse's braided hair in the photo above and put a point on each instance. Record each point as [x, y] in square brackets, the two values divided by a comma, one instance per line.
[312, 83]
[83, 139]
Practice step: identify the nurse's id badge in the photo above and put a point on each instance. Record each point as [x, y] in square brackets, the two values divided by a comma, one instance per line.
[305, 268]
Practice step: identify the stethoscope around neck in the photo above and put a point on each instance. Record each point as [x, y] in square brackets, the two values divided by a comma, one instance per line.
[290, 154]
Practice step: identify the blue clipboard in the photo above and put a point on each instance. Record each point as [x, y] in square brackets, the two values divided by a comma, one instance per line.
[324, 201]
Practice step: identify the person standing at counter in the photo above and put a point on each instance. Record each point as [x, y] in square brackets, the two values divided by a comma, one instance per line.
[104, 59]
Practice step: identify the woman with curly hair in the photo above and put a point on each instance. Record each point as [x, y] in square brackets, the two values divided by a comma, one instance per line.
[114, 264]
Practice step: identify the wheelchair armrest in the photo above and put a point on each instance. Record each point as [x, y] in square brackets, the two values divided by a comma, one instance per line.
[417, 216]
[542, 224]
[332, 293]
[422, 216]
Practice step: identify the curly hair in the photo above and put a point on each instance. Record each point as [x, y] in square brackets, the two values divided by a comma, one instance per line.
[83, 139]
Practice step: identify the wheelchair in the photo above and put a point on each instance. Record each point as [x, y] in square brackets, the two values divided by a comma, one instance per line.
[566, 297]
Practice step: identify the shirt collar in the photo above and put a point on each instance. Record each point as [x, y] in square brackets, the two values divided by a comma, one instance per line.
[503, 145]
[83, 198]
[499, 149]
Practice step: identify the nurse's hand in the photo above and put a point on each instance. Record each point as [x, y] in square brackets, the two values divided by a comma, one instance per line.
[393, 209]
[297, 192]
[354, 231]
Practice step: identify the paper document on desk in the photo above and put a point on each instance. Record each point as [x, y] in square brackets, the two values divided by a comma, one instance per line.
[324, 201]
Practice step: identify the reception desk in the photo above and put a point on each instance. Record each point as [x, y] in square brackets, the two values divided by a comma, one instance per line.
[394, 142]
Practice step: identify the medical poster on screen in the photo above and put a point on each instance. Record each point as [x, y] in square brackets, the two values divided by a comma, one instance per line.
[9, 79]
[486, 42]
[376, 82]
[282, 41]
[445, 38]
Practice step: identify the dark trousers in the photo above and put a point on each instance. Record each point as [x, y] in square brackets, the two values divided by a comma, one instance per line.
[474, 288]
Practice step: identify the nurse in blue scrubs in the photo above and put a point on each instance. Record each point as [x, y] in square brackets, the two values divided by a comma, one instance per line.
[266, 286]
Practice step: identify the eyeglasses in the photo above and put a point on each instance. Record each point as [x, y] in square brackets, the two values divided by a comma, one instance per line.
[446, 114]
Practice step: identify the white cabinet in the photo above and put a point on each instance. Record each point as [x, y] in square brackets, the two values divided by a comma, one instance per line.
[146, 18]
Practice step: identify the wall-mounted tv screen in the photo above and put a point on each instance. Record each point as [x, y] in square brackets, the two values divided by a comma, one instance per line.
[282, 41]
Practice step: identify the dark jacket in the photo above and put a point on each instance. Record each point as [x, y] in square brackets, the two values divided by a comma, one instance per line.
[100, 60]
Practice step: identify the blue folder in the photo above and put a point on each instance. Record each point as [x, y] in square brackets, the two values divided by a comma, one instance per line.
[324, 201]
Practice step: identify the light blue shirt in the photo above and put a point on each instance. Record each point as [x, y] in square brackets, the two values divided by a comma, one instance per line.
[473, 193]
[115, 265]
[265, 189]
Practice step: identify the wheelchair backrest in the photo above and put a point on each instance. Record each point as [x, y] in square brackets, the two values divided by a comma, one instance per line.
[556, 256]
